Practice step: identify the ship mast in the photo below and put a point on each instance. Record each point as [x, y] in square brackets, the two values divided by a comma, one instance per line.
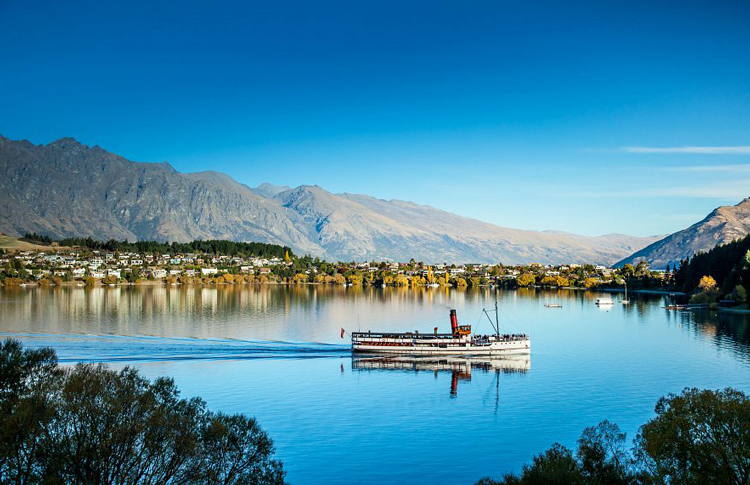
[497, 321]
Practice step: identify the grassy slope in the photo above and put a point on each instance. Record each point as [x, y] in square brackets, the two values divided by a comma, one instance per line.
[14, 244]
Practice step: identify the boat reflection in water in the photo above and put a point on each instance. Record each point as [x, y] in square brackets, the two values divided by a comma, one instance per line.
[460, 367]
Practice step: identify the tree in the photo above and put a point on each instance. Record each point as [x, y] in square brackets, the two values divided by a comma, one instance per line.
[707, 283]
[698, 437]
[562, 281]
[740, 294]
[602, 455]
[548, 281]
[628, 270]
[642, 268]
[91, 424]
[590, 283]
[110, 279]
[526, 279]
[556, 466]
[709, 292]
[27, 379]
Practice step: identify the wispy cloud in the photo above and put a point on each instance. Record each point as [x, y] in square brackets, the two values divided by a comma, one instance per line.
[736, 168]
[734, 190]
[738, 150]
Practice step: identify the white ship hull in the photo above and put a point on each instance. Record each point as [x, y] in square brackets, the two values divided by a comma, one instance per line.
[422, 346]
[438, 351]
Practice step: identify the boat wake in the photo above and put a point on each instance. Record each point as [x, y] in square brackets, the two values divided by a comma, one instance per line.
[73, 348]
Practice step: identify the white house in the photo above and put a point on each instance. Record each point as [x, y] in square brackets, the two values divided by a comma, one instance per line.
[159, 273]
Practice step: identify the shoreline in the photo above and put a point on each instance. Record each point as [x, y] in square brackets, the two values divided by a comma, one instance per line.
[147, 283]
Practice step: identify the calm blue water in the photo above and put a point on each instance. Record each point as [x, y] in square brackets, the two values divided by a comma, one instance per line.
[274, 352]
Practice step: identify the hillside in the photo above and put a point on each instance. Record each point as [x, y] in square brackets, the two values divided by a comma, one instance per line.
[67, 189]
[15, 244]
[724, 225]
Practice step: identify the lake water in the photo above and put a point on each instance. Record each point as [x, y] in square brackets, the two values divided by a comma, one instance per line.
[274, 352]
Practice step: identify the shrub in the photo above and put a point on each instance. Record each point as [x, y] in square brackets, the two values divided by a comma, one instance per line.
[92, 424]
[697, 437]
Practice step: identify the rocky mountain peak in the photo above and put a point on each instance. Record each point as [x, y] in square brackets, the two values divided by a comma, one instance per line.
[67, 142]
[723, 225]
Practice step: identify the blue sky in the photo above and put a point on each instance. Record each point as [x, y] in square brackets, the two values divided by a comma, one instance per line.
[589, 117]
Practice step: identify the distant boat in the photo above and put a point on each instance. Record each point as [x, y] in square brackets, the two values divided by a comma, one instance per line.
[552, 305]
[604, 301]
[625, 301]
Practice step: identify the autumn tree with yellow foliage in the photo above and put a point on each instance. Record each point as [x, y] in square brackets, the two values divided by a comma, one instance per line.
[708, 293]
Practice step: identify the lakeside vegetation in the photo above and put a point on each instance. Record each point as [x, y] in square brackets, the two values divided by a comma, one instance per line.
[697, 437]
[722, 274]
[94, 262]
[90, 424]
[212, 246]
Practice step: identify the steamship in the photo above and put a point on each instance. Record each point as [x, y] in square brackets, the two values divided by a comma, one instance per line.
[459, 342]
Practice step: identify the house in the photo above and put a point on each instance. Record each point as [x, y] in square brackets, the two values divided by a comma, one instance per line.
[159, 273]
[113, 272]
[175, 272]
[208, 271]
[97, 274]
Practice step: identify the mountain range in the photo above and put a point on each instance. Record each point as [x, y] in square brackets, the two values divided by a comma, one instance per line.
[67, 189]
[725, 224]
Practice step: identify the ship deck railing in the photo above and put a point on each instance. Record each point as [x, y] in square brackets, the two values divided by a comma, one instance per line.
[433, 336]
[403, 335]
